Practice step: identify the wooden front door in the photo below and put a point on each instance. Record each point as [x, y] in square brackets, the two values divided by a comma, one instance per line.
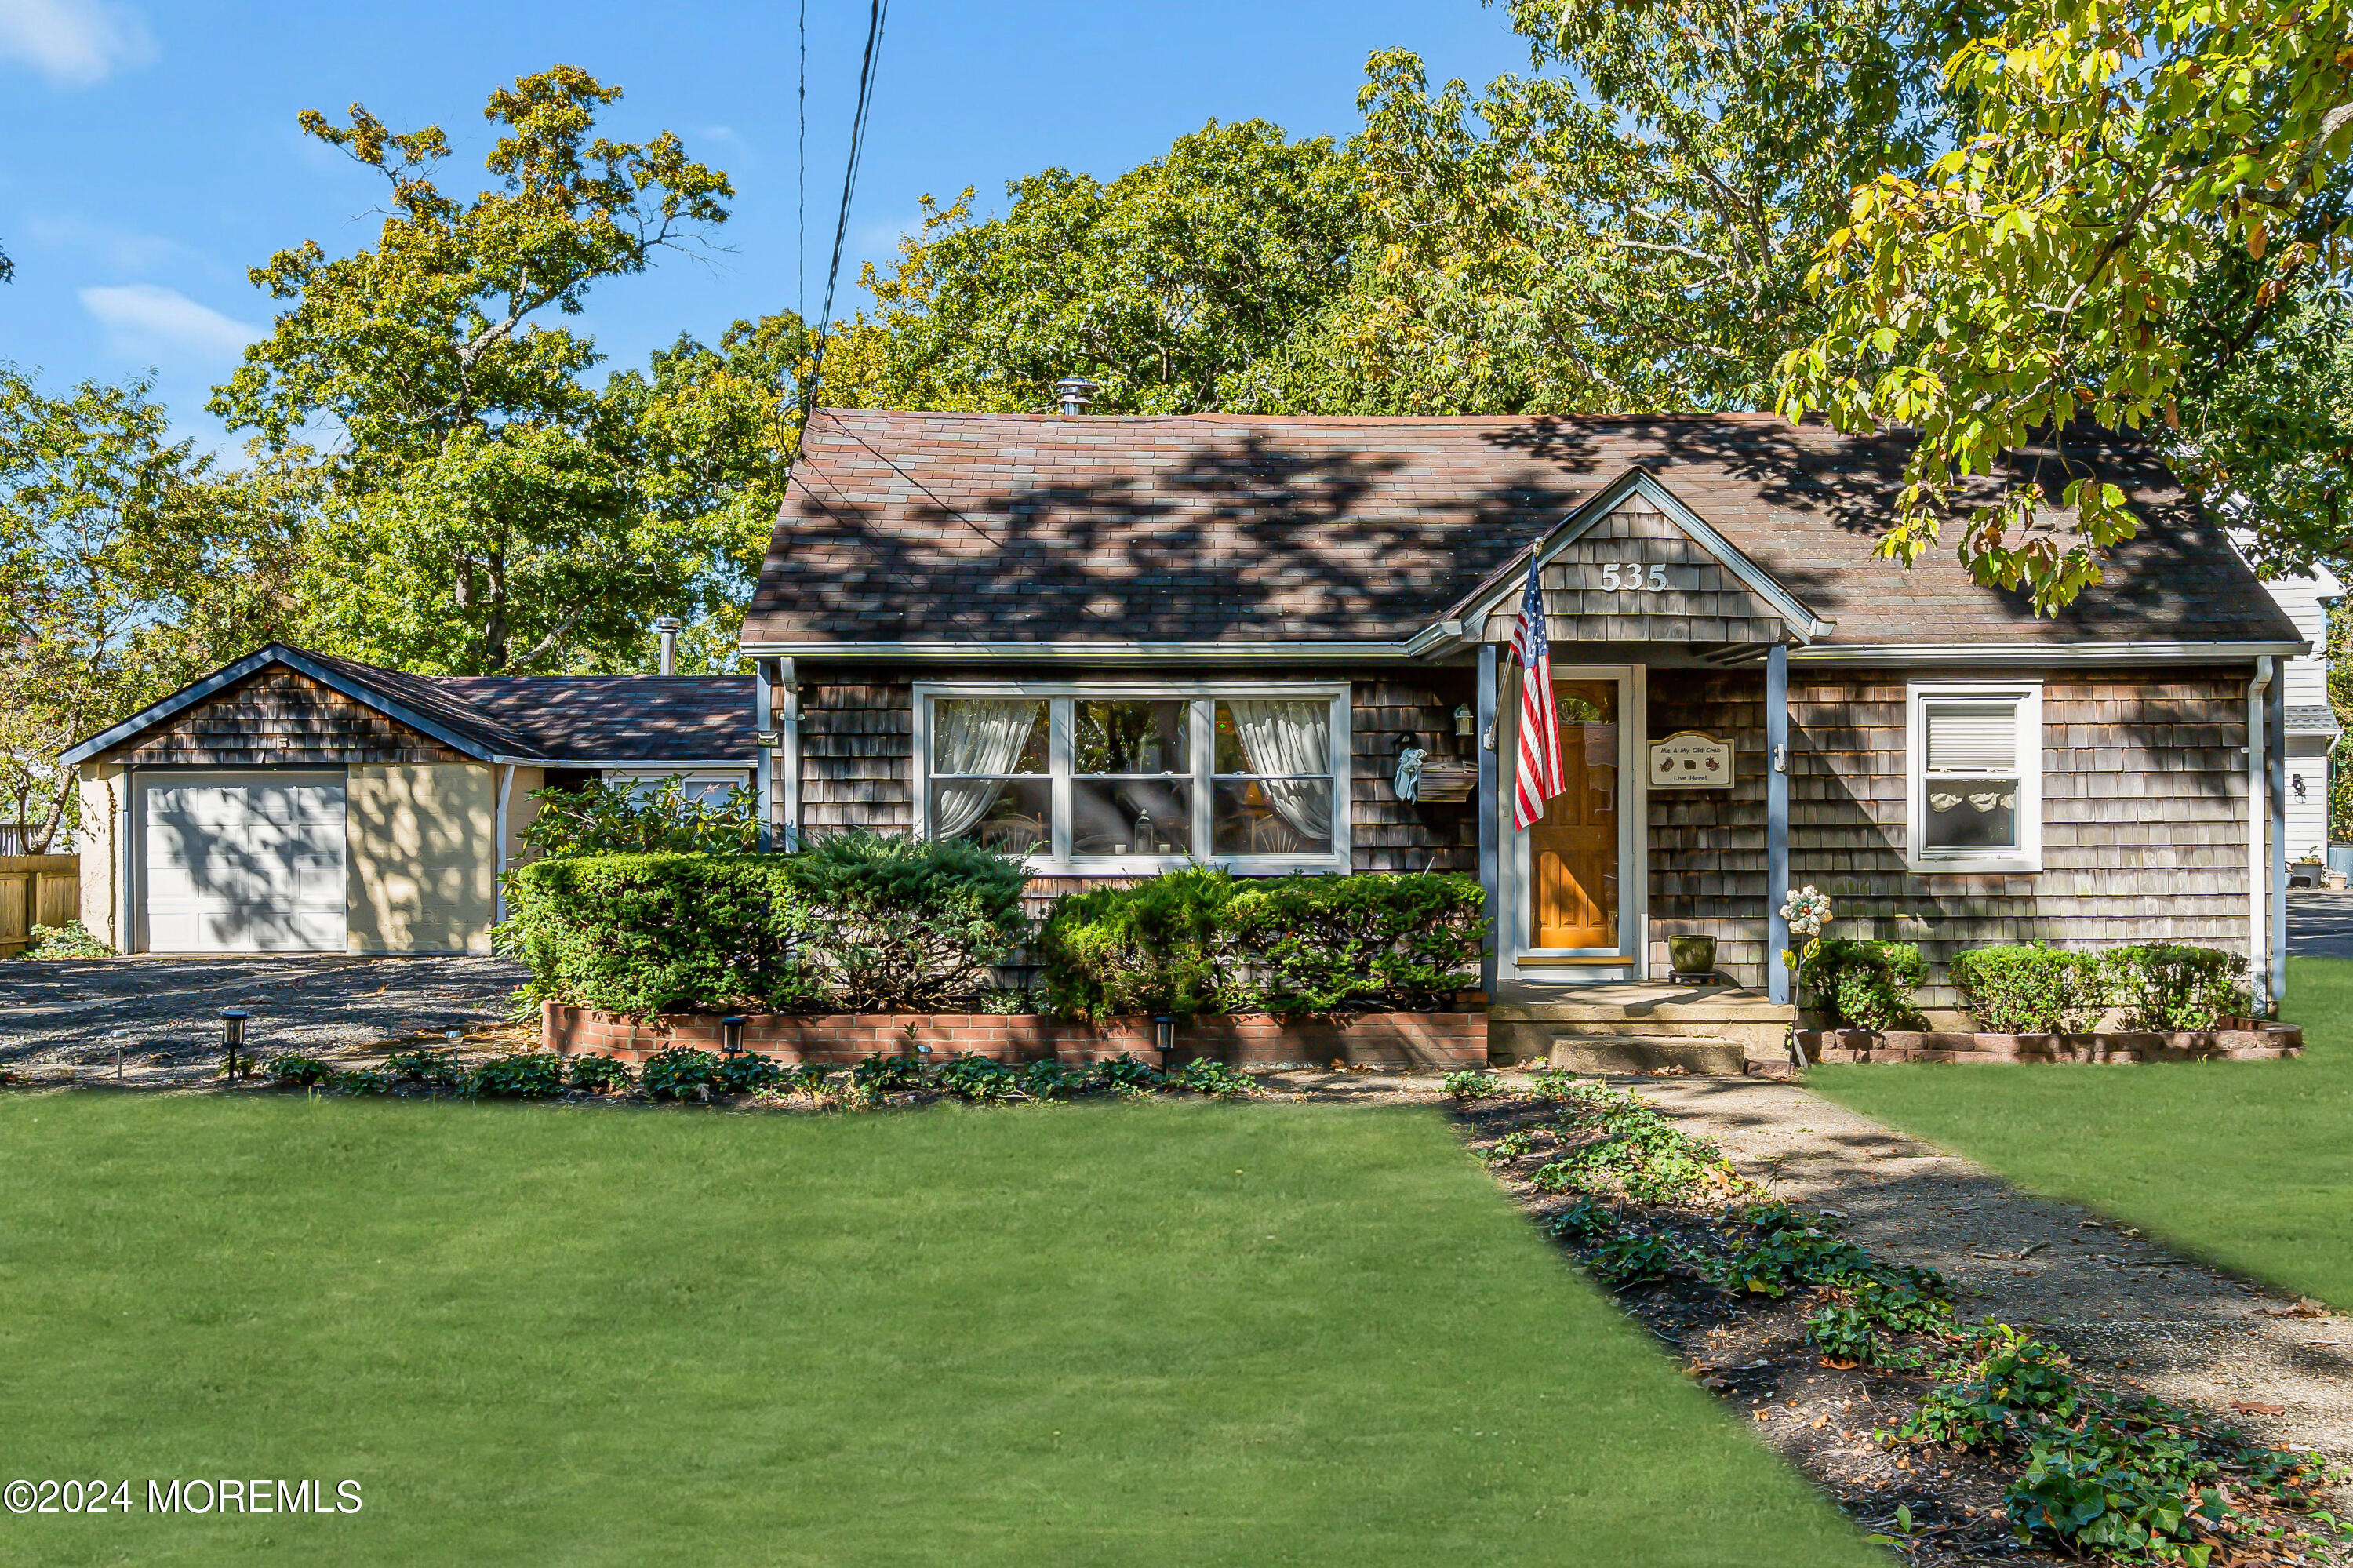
[1573, 852]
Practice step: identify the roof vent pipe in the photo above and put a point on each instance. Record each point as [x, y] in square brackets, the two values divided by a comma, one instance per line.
[1076, 393]
[666, 628]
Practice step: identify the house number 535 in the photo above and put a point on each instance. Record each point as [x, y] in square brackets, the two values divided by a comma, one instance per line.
[1651, 578]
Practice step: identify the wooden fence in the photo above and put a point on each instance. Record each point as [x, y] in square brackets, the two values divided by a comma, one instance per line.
[36, 890]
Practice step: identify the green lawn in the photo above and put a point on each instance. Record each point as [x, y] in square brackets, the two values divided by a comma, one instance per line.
[2250, 1163]
[1162, 1333]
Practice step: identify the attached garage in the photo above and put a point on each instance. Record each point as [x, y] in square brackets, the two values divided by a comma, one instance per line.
[242, 862]
[293, 803]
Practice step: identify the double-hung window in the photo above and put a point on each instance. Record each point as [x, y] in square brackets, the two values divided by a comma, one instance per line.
[1083, 777]
[1975, 768]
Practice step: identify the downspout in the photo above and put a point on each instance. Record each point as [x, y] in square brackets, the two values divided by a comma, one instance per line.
[499, 886]
[126, 920]
[2276, 738]
[2259, 896]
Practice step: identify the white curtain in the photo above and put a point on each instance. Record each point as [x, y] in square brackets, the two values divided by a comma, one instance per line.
[977, 735]
[1290, 737]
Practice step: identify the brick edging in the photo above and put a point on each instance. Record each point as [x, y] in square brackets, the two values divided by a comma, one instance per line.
[2268, 1041]
[1441, 1040]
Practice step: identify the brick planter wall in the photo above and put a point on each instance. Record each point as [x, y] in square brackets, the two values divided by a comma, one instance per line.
[1431, 1040]
[2263, 1042]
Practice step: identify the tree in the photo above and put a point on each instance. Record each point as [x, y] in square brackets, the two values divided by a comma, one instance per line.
[127, 568]
[2060, 268]
[1628, 233]
[484, 512]
[1171, 286]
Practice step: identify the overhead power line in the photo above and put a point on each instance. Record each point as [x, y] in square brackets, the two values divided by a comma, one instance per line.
[876, 16]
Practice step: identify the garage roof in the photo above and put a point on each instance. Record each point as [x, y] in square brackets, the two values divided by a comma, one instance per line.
[557, 720]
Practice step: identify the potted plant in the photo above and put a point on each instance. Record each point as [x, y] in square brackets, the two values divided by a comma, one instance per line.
[1694, 957]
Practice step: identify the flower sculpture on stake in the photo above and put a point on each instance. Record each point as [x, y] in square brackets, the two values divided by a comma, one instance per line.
[1807, 912]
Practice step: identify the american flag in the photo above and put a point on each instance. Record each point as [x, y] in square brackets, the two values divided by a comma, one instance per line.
[1539, 771]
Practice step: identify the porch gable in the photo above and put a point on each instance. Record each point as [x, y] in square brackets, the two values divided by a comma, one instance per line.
[1635, 565]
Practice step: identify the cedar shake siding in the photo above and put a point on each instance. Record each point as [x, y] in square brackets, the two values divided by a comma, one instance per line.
[1707, 846]
[1706, 604]
[857, 764]
[2144, 816]
[279, 717]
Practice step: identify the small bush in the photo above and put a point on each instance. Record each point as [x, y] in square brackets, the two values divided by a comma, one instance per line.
[1867, 985]
[1204, 1076]
[70, 940]
[2164, 986]
[1472, 1084]
[1052, 1081]
[434, 1069]
[614, 819]
[1156, 948]
[748, 1073]
[979, 1079]
[641, 935]
[2031, 991]
[598, 1074]
[682, 1072]
[907, 924]
[300, 1071]
[1323, 944]
[883, 1074]
[524, 1076]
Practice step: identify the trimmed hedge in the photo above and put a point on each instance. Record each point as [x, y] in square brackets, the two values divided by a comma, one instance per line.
[1202, 940]
[2163, 987]
[2031, 989]
[1867, 985]
[641, 934]
[903, 924]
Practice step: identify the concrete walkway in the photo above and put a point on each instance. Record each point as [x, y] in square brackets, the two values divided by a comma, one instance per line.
[2320, 924]
[2130, 1311]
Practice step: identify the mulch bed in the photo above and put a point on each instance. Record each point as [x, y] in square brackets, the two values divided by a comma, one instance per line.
[1820, 1415]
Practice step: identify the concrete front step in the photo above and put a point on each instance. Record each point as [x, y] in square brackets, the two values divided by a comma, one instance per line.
[1645, 1053]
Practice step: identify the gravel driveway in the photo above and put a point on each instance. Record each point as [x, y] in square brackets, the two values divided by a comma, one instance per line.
[2320, 924]
[54, 1014]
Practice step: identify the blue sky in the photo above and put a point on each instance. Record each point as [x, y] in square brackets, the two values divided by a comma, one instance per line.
[155, 156]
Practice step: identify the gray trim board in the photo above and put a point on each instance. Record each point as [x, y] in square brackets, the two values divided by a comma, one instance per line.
[1491, 806]
[1777, 819]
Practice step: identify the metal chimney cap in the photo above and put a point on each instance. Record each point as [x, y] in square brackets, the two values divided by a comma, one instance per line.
[666, 623]
[1076, 392]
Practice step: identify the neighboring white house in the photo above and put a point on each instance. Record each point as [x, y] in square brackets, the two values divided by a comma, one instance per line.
[2312, 726]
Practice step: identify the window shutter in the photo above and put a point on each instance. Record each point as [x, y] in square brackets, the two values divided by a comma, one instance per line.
[1971, 737]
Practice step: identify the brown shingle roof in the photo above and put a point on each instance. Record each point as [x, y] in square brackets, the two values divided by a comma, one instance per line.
[618, 719]
[1236, 529]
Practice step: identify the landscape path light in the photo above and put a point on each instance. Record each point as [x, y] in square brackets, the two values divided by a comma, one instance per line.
[731, 1035]
[232, 1022]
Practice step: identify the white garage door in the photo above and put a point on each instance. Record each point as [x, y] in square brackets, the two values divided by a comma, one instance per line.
[248, 863]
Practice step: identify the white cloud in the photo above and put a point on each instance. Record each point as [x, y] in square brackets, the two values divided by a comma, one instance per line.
[74, 43]
[142, 318]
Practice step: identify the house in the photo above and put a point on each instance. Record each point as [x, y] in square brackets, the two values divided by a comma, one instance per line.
[296, 802]
[2312, 726]
[1118, 644]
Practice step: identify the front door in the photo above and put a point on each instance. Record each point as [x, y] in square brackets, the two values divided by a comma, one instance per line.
[1574, 879]
[1573, 852]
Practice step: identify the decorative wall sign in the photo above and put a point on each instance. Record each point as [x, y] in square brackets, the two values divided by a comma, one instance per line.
[1690, 761]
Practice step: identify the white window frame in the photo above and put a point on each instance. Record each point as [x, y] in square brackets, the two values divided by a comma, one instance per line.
[2028, 855]
[694, 783]
[1060, 696]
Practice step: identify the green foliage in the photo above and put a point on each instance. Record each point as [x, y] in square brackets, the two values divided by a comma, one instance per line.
[907, 924]
[1585, 1220]
[641, 935]
[1202, 940]
[435, 1069]
[1203, 1076]
[2166, 986]
[884, 1074]
[597, 1074]
[748, 1073]
[363, 1081]
[616, 819]
[1619, 1141]
[1156, 948]
[682, 1072]
[2015, 1389]
[1868, 984]
[2031, 989]
[979, 1079]
[1510, 1147]
[1052, 1081]
[1321, 944]
[70, 940]
[1472, 1084]
[523, 1076]
[298, 1072]
[1632, 1259]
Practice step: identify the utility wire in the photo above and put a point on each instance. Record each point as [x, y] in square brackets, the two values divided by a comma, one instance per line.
[878, 11]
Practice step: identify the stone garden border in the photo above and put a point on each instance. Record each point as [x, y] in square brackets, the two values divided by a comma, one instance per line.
[1426, 1041]
[2249, 1040]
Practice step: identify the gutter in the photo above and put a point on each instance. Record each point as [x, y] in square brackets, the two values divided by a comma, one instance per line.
[2258, 824]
